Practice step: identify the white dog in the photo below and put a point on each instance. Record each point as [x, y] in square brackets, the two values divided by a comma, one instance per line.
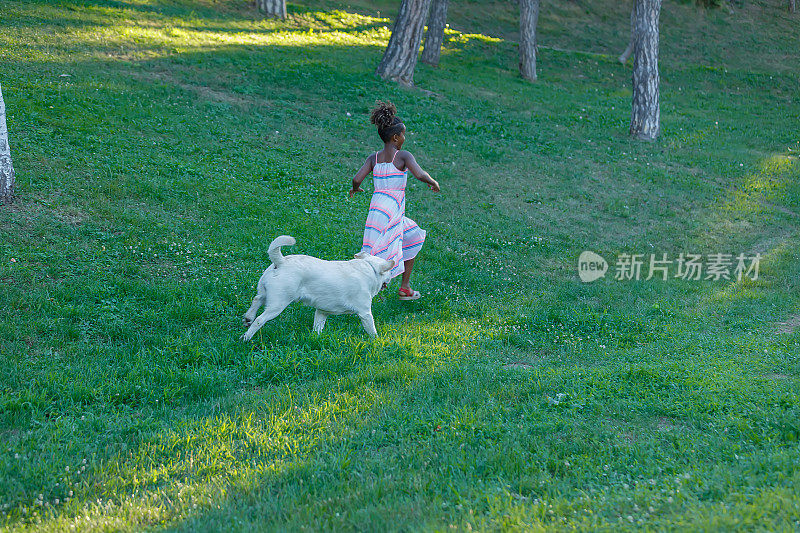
[332, 287]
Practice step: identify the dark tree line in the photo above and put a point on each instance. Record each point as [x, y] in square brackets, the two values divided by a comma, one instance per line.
[402, 52]
[400, 57]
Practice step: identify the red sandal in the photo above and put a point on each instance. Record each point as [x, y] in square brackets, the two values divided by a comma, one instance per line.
[408, 294]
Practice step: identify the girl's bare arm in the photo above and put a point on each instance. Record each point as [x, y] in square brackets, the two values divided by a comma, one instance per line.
[416, 170]
[360, 175]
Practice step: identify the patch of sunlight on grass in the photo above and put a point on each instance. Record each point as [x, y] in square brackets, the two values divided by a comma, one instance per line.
[777, 163]
[740, 202]
[436, 344]
[750, 199]
[188, 39]
[454, 36]
[127, 34]
[197, 465]
[746, 287]
[736, 290]
[772, 177]
[341, 20]
[149, 42]
[768, 184]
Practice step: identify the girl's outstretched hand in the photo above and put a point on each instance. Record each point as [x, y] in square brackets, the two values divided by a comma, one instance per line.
[353, 191]
[434, 186]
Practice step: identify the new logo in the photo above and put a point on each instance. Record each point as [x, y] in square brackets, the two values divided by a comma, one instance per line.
[591, 266]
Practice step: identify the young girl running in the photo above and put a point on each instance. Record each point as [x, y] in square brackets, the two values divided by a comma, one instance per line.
[388, 233]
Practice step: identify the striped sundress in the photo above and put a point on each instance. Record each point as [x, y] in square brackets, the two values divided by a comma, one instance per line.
[388, 233]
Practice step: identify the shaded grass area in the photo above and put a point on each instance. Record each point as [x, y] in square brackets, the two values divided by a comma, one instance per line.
[160, 146]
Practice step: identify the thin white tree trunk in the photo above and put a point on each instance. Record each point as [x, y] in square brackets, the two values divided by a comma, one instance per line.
[792, 7]
[434, 36]
[6, 167]
[272, 8]
[629, 50]
[528, 19]
[645, 113]
[400, 57]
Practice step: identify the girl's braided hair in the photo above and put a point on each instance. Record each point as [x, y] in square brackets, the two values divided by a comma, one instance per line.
[384, 115]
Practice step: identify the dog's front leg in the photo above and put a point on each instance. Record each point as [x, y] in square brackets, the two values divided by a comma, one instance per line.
[319, 320]
[369, 323]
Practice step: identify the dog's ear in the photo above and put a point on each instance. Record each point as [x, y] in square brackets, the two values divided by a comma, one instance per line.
[389, 265]
[361, 255]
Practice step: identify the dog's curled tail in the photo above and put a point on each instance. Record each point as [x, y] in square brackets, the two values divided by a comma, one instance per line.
[275, 249]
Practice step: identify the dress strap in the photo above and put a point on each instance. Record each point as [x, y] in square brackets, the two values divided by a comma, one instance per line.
[376, 157]
[395, 155]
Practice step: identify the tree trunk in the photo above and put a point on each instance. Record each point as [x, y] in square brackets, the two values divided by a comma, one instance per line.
[400, 57]
[628, 51]
[435, 34]
[792, 7]
[528, 18]
[6, 168]
[646, 111]
[272, 8]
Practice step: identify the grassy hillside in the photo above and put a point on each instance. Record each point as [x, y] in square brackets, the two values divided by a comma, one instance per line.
[161, 144]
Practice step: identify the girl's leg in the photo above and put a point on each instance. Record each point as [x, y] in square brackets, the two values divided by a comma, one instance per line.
[408, 265]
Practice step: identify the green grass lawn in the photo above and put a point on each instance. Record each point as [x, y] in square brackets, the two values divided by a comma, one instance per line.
[159, 147]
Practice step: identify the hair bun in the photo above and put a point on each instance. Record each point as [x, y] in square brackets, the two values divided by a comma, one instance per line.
[383, 114]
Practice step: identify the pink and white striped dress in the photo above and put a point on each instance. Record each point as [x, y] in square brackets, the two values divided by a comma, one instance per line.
[388, 233]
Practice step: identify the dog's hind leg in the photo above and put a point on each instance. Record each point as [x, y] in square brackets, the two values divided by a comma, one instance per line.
[319, 320]
[369, 323]
[269, 313]
[258, 301]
